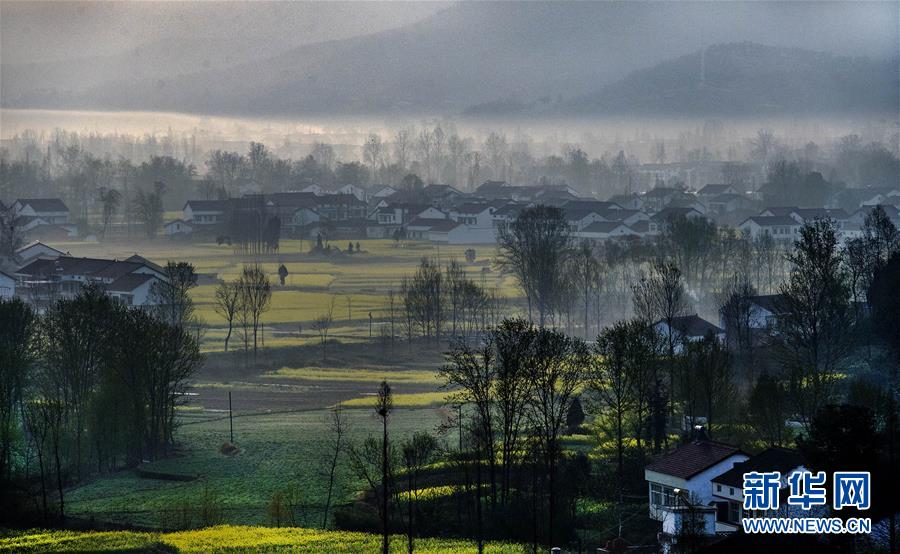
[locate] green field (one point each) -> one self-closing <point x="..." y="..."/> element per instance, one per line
<point x="233" y="539"/>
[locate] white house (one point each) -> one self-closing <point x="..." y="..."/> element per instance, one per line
<point x="44" y="281"/>
<point x="133" y="289"/>
<point x="603" y="230"/>
<point x="685" y="476"/>
<point x="37" y="250"/>
<point x="779" y="227"/>
<point x="382" y="191"/>
<point x="51" y="210"/>
<point x="7" y="286"/>
<point x="689" y="328"/>
<point x="473" y="214"/>
<point x="178" y="227"/>
<point x="205" y="212"/>
<point x="661" y="219"/>
<point x="579" y="218"/>
<point x="765" y="311"/>
<point x="453" y="232"/>
<point x="728" y="488"/>
<point x="315" y="189"/>
<point x="356" y="191"/>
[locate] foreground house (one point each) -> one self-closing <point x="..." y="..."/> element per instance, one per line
<point x="706" y="479"/>
<point x="682" y="480"/>
<point x="728" y="488"/>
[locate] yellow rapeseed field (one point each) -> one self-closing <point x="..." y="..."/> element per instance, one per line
<point x="234" y="539"/>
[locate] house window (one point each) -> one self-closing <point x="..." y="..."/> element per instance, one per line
<point x="731" y="490"/>
<point x="661" y="495"/>
<point x="734" y="512"/>
<point x="718" y="488"/>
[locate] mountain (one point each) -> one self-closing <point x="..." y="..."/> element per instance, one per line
<point x="750" y="79"/>
<point x="496" y="55"/>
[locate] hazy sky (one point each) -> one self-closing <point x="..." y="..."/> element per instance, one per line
<point x="46" y="31"/>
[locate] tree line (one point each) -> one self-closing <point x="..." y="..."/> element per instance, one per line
<point x="89" y="386"/>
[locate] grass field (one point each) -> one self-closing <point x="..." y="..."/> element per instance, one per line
<point x="280" y="397"/>
<point x="279" y="452"/>
<point x="358" y="283"/>
<point x="233" y="539"/>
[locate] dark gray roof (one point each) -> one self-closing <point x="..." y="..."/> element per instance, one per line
<point x="661" y="192"/>
<point x="714" y="189"/>
<point x="129" y="282"/>
<point x="44" y="204"/>
<point x="207" y="205"/>
<point x="771" y="459"/>
<point x="780" y="210"/>
<point x="471" y="208"/>
<point x="673" y="211"/>
<point x="603" y="227"/>
<point x="769" y="302"/>
<point x="293" y="199"/>
<point x="771" y="220"/>
<point x="695" y="326"/>
<point x="692" y="458"/>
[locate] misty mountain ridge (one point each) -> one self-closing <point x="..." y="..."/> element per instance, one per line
<point x="751" y="79"/>
<point x="494" y="58"/>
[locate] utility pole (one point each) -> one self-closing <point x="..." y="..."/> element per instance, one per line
<point x="230" y="418"/>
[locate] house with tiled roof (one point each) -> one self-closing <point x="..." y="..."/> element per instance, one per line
<point x="36" y="250"/>
<point x="779" y="227"/>
<point x="660" y="220"/>
<point x="689" y="328"/>
<point x="205" y="212"/>
<point x="44" y="280"/>
<point x="52" y="210"/>
<point x="728" y="487"/>
<point x="604" y="230"/>
<point x="684" y="477"/>
<point x="713" y="190"/>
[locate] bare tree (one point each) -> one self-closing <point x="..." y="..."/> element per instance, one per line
<point x="228" y="305"/>
<point x="402" y="148"/>
<point x="256" y="296"/>
<point x="585" y="275"/>
<point x="660" y="296"/>
<point x="337" y="429"/>
<point x="110" y="198"/>
<point x="322" y="324"/>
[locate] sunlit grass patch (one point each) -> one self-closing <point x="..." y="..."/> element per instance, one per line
<point x="408" y="400"/>
<point x="361" y="375"/>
